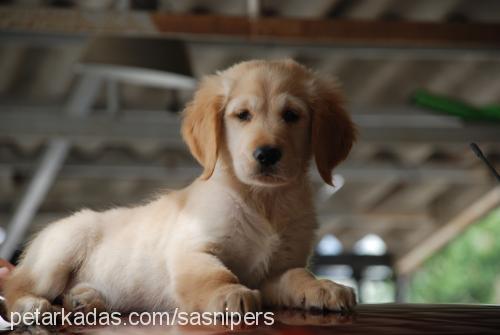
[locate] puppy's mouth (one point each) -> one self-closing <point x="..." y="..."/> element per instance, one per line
<point x="269" y="176"/>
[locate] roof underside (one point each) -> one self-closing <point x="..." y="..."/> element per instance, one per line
<point x="399" y="186"/>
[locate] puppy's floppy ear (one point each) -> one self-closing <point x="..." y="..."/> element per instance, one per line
<point x="202" y="124"/>
<point x="333" y="132"/>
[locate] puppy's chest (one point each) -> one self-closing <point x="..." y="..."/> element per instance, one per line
<point x="249" y="248"/>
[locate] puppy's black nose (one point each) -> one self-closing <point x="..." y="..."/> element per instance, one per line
<point x="267" y="155"/>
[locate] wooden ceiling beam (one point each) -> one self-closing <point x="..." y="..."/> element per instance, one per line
<point x="263" y="29"/>
<point x="448" y="231"/>
<point x="381" y="129"/>
<point x="361" y="32"/>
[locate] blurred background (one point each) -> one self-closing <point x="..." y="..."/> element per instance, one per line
<point x="90" y="95"/>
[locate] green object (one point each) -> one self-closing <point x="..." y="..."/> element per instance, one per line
<point x="443" y="104"/>
<point x="465" y="271"/>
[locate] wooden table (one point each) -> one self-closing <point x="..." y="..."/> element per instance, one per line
<point x="367" y="319"/>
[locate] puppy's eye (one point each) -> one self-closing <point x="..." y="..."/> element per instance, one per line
<point x="244" y="115"/>
<point x="290" y="116"/>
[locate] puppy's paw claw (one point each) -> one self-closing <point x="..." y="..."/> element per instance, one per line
<point x="327" y="295"/>
<point x="84" y="298"/>
<point x="235" y="298"/>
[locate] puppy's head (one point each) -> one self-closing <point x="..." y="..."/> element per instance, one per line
<point x="265" y="120"/>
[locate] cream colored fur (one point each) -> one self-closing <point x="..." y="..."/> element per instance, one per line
<point x="234" y="238"/>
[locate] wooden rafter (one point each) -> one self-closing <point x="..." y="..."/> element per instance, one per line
<point x="275" y="30"/>
<point x="335" y="31"/>
<point x="414" y="258"/>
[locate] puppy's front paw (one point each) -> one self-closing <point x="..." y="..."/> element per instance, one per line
<point x="84" y="298"/>
<point x="325" y="294"/>
<point x="31" y="304"/>
<point x="235" y="298"/>
<point x="27" y="314"/>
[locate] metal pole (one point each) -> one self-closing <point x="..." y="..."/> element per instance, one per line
<point x="38" y="187"/>
<point x="253" y="8"/>
<point x="112" y="97"/>
<point x="402" y="284"/>
<point x="52" y="160"/>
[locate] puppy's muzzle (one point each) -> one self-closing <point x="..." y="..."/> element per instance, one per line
<point x="267" y="156"/>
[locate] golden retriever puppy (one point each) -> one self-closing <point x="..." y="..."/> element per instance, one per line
<point x="236" y="239"/>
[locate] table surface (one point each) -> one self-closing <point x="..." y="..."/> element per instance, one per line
<point x="366" y="319"/>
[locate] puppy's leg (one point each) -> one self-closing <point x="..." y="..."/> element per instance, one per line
<point x="85" y="298"/>
<point x="48" y="263"/>
<point x="203" y="283"/>
<point x="298" y="288"/>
